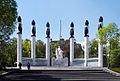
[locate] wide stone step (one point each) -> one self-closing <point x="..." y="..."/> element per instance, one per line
<point x="60" y="75"/>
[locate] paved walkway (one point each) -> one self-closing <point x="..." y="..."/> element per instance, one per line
<point x="57" y="68"/>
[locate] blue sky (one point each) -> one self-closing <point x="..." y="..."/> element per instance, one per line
<point x="77" y="11"/>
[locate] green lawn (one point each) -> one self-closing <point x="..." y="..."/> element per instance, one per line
<point x="116" y="69"/>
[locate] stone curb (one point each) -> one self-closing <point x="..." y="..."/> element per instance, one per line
<point x="111" y="72"/>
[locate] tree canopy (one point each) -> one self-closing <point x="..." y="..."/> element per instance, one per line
<point x="109" y="37"/>
<point x="8" y="14"/>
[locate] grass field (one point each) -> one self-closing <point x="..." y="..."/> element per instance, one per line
<point x="115" y="69"/>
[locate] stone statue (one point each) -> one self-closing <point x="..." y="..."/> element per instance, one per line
<point x="19" y="26"/>
<point x="33" y="29"/>
<point x="59" y="61"/>
<point x="72" y="30"/>
<point x="100" y="22"/>
<point x="86" y="28"/>
<point x="48" y="29"/>
<point x="59" y="53"/>
<point x="101" y="19"/>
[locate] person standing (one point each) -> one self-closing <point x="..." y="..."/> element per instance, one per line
<point x="20" y="65"/>
<point x="28" y="66"/>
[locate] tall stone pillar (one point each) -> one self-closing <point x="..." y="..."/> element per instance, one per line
<point x="48" y="44"/>
<point x="71" y="43"/>
<point x="33" y="40"/>
<point x="100" y="55"/>
<point x="19" y="42"/>
<point x="100" y="46"/>
<point x="86" y="43"/>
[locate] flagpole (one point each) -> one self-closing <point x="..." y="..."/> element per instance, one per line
<point x="60" y="35"/>
<point x="60" y="31"/>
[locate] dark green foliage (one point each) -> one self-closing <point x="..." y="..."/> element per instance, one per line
<point x="93" y="49"/>
<point x="40" y="49"/>
<point x="109" y="37"/>
<point x="8" y="53"/>
<point x="11" y="52"/>
<point x="8" y="15"/>
<point x="26" y="48"/>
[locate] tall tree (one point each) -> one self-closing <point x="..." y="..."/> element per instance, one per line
<point x="8" y="15"/>
<point x="40" y="49"/>
<point x="93" y="49"/>
<point x="26" y="48"/>
<point x="109" y="37"/>
<point x="11" y="55"/>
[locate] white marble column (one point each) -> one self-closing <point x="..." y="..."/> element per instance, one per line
<point x="33" y="49"/>
<point x="100" y="46"/>
<point x="33" y="41"/>
<point x="100" y="55"/>
<point x="48" y="50"/>
<point x="86" y="50"/>
<point x="48" y="44"/>
<point x="19" y="41"/>
<point x="86" y="43"/>
<point x="71" y="43"/>
<point x="71" y="50"/>
<point x="19" y="49"/>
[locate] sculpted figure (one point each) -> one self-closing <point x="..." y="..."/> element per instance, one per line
<point x="59" y="53"/>
<point x="34" y="28"/>
<point x="20" y="25"/>
<point x="86" y="28"/>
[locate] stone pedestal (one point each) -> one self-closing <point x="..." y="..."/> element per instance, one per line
<point x="48" y="50"/>
<point x="33" y="49"/>
<point x="100" y="55"/>
<point x="19" y="49"/>
<point x="59" y="62"/>
<point x="86" y="50"/>
<point x="71" y="50"/>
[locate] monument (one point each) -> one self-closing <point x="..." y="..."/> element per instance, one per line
<point x="59" y="60"/>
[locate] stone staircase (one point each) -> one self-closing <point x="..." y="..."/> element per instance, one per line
<point x="60" y="75"/>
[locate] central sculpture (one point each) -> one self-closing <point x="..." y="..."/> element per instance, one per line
<point x="59" y="61"/>
<point x="59" y="53"/>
